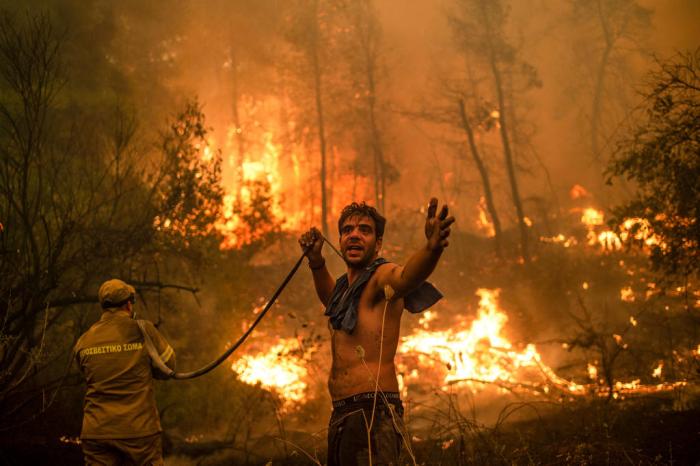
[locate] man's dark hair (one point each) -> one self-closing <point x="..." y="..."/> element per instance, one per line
<point x="363" y="210"/>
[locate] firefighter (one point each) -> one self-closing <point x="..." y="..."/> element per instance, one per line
<point x="120" y="418"/>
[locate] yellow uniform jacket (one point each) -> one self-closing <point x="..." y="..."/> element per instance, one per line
<point x="120" y="399"/>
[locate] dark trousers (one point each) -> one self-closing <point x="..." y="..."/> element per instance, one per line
<point x="348" y="442"/>
<point x="128" y="451"/>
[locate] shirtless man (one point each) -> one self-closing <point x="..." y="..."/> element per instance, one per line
<point x="365" y="307"/>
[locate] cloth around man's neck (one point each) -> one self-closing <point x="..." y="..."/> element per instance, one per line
<point x="342" y="307"/>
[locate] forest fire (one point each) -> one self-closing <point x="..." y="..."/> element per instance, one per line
<point x="258" y="191"/>
<point x="471" y="356"/>
<point x="269" y="190"/>
<point x="478" y="353"/>
<point x="631" y="229"/>
<point x="183" y="151"/>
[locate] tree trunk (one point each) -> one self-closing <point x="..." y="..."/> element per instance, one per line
<point x="505" y="139"/>
<point x="379" y="172"/>
<point x="485" y="181"/>
<point x="364" y="22"/>
<point x="510" y="166"/>
<point x="599" y="86"/>
<point x="240" y="139"/>
<point x="319" y="114"/>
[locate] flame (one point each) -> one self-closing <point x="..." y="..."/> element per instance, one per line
<point x="478" y="352"/>
<point x="279" y="369"/>
<point x="577" y="191"/>
<point x="592" y="217"/>
<point x="426" y="318"/>
<point x="640" y="229"/>
<point x="592" y="371"/>
<point x="627" y="295"/>
<point x="471" y="355"/>
<point x="70" y="440"/>
<point x="483" y="223"/>
<point x="286" y="175"/>
<point x="261" y="170"/>
<point x="618" y="340"/>
<point x="634" y="228"/>
<point x="560" y="239"/>
<point x="207" y="153"/>
<point x="609" y="240"/>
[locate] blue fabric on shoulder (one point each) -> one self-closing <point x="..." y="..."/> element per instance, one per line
<point x="342" y="307"/>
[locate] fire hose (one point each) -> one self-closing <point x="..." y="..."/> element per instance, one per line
<point x="171" y="374"/>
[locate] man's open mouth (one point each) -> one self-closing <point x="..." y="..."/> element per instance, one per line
<point x="354" y="247"/>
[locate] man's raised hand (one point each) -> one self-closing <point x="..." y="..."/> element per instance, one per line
<point x="311" y="243"/>
<point x="437" y="226"/>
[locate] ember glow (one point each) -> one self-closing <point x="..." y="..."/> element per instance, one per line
<point x="592" y="371"/>
<point x="560" y="239"/>
<point x="627" y="294"/>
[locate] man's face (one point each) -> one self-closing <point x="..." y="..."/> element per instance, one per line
<point x="358" y="241"/>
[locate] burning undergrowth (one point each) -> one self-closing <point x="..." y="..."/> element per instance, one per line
<point x="469" y="355"/>
<point x="466" y="347"/>
<point x="585" y="323"/>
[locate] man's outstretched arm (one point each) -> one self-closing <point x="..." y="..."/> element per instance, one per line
<point x="422" y="263"/>
<point x="311" y="243"/>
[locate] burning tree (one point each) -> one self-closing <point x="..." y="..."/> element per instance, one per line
<point x="310" y="28"/>
<point x="190" y="186"/>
